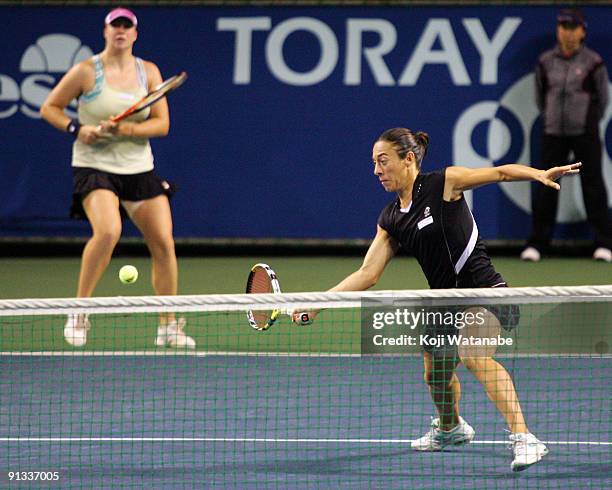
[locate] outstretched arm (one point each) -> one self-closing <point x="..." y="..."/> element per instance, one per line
<point x="381" y="251"/>
<point x="459" y="179"/>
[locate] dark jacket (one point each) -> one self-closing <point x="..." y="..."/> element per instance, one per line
<point x="572" y="93"/>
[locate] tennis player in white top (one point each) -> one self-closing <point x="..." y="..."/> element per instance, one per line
<point x="113" y="167"/>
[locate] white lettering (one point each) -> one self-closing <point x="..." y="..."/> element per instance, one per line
<point x="373" y="54"/>
<point x="244" y="27"/>
<point x="394" y="341"/>
<point x="389" y="318"/>
<point x="9" y="92"/>
<point x="377" y="322"/>
<point x="453" y="339"/>
<point x="425" y="54"/>
<point x="490" y="49"/>
<point x="327" y="42"/>
<point x="436" y="45"/>
<point x="34" y="93"/>
<point x="480" y="341"/>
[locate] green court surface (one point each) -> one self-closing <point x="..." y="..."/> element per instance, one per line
<point x="56" y="277"/>
<point x="545" y="328"/>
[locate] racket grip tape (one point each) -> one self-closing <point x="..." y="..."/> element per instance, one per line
<point x="302" y="318"/>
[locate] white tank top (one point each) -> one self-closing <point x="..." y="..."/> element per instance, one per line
<point x="115" y="154"/>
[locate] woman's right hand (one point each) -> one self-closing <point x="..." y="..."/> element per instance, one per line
<point x="89" y="134"/>
<point x="304" y="317"/>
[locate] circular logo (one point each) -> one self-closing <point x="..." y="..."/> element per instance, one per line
<point x="491" y="133"/>
<point x="50" y="56"/>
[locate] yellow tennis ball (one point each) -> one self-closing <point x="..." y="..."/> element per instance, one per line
<point x="128" y="274"/>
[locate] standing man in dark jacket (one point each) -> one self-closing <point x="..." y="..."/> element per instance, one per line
<point x="572" y="95"/>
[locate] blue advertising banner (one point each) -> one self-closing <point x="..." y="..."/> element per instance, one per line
<point x="272" y="134"/>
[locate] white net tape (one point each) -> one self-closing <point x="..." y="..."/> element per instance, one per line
<point x="303" y="301"/>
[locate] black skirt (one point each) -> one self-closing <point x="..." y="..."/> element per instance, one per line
<point x="134" y="187"/>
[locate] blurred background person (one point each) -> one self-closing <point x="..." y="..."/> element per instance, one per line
<point x="113" y="167"/>
<point x="572" y="95"/>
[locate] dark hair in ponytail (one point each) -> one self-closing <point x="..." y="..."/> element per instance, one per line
<point x="405" y="140"/>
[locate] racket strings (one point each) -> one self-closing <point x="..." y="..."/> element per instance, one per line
<point x="259" y="283"/>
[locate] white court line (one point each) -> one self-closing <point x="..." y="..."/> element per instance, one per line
<point x="172" y="352"/>
<point x="168" y="352"/>
<point x="261" y="439"/>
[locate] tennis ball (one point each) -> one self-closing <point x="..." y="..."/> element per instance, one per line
<point x="128" y="274"/>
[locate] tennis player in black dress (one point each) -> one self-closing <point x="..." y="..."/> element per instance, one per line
<point x="431" y="220"/>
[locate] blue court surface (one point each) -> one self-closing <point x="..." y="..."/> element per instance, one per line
<point x="274" y="421"/>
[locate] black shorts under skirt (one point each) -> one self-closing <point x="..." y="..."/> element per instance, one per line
<point x="134" y="187"/>
<point x="507" y="314"/>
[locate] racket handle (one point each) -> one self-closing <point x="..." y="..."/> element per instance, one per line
<point x="298" y="317"/>
<point x="302" y="318"/>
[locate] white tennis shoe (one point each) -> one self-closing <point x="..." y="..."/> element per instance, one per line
<point x="75" y="329"/>
<point x="436" y="439"/>
<point x="531" y="254"/>
<point x="603" y="254"/>
<point x="173" y="335"/>
<point x="527" y="450"/>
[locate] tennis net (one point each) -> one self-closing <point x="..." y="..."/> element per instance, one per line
<point x="336" y="403"/>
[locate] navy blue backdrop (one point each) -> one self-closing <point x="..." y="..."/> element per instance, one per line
<point x="272" y="134"/>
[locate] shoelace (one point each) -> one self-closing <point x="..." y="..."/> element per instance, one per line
<point x="520" y="443"/>
<point x="513" y="442"/>
<point x="432" y="430"/>
<point x="81" y="322"/>
<point x="433" y="427"/>
<point x="518" y="446"/>
<point x="432" y="433"/>
<point x="179" y="325"/>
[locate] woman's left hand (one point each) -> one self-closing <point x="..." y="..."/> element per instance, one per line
<point x="117" y="128"/>
<point x="548" y="177"/>
<point x="109" y="126"/>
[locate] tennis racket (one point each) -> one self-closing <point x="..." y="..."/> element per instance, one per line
<point x="263" y="279"/>
<point x="157" y="93"/>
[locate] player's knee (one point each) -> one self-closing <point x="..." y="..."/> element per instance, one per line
<point x="162" y="246"/>
<point x="474" y="363"/>
<point x="108" y="237"/>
